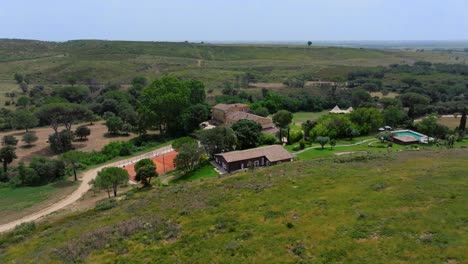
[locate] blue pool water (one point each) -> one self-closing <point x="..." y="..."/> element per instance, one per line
<point x="408" y="134"/>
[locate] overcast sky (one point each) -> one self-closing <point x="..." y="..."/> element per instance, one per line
<point x="234" y="20"/>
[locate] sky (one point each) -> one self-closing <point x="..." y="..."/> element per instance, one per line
<point x="234" y="20"/>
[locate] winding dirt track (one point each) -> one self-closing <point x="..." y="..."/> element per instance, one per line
<point x="84" y="187"/>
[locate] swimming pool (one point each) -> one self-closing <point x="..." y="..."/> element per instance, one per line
<point x="409" y="133"/>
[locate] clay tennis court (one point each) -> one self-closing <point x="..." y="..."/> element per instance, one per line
<point x="164" y="164"/>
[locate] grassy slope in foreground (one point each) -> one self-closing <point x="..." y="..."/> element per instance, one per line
<point x="411" y="208"/>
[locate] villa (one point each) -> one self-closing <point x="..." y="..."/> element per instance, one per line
<point x="229" y="114"/>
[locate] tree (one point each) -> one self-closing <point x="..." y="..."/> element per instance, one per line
<point x="450" y="141"/>
<point x="61" y="142"/>
<point x="19" y="78"/>
<point x="309" y="43"/>
<point x="114" y="125"/>
<point x="359" y="97"/>
<point x="322" y="141"/>
<point x="177" y="144"/>
<point x="410" y="99"/>
<point x="7" y="155"/>
<point x="73" y="94"/>
<point x="217" y="140"/>
<point x="163" y="102"/>
<point x="57" y="114"/>
<point x="195" y="115"/>
<point x="82" y="132"/>
<point x="367" y="119"/>
<point x="260" y="111"/>
<point x="139" y="81"/>
<point x="30" y="137"/>
<point x="352" y="132"/>
<point x="109" y="179"/>
<point x="307" y="126"/>
<point x="430" y="127"/>
<point x="197" y="92"/>
<point x="23" y="119"/>
<point x="189" y="155"/>
<point x="72" y="159"/>
<point x="145" y="170"/>
<point x="23" y="101"/>
<point x="9" y="140"/>
<point x="332" y="143"/>
<point x="282" y="119"/>
<point x="384" y="136"/>
<point x="248" y="133"/>
<point x="394" y="116"/>
<point x="462" y="125"/>
<point x="72" y="80"/>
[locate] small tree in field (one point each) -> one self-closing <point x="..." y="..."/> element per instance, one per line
<point x="188" y="157"/>
<point x="114" y="125"/>
<point x="7" y="155"/>
<point x="82" y="132"/>
<point x="322" y="141"/>
<point x="145" y="170"/>
<point x="109" y="179"/>
<point x="72" y="159"/>
<point x="29" y="138"/>
<point x="9" y="140"/>
<point x="332" y="143"/>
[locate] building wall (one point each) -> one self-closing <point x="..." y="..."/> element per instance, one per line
<point x="243" y="164"/>
<point x="218" y="115"/>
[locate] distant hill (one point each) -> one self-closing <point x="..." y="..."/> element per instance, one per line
<point x="97" y="61"/>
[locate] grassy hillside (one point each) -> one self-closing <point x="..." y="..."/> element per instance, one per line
<point x="409" y="208"/>
<point x="103" y="61"/>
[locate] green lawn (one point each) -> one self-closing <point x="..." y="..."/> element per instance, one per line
<point x="16" y="201"/>
<point x="301" y="117"/>
<point x="407" y="208"/>
<point x="204" y="172"/>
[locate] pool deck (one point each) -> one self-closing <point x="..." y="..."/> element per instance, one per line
<point x="407" y="139"/>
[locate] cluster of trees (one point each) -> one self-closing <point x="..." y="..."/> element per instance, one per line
<point x="172" y="106"/>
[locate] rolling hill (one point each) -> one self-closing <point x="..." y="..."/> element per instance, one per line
<point x="405" y="208"/>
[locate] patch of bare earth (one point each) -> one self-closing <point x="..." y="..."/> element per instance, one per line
<point x="41" y="147"/>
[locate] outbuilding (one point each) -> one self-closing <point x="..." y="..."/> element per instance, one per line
<point x="257" y="157"/>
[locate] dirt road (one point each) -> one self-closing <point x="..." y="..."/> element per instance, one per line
<point x="84" y="187"/>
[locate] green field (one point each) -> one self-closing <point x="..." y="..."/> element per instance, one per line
<point x="205" y="172"/>
<point x="15" y="202"/>
<point x="405" y="208"/>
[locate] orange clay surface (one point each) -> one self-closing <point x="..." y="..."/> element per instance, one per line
<point x="164" y="164"/>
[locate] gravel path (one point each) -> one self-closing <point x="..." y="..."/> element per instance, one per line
<point x="84" y="187"/>
<point x="347" y="145"/>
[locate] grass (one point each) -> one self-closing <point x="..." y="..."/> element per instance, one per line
<point x="409" y="208"/>
<point x="301" y="117"/>
<point x="15" y="202"/>
<point x="204" y="172"/>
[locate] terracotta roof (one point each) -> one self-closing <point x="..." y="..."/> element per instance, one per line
<point x="406" y="139"/>
<point x="226" y="107"/>
<point x="238" y="115"/>
<point x="273" y="153"/>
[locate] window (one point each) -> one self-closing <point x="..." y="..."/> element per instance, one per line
<point x="256" y="163"/>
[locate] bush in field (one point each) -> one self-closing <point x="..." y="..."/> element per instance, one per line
<point x="82" y="132"/>
<point x="9" y="140"/>
<point x="61" y="142"/>
<point x="322" y="141"/>
<point x="30" y="137"/>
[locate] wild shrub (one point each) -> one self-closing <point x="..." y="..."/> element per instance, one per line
<point x="105" y="205"/>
